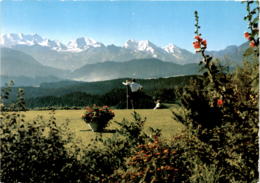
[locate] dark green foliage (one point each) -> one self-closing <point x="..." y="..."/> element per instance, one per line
<point x="221" y="110"/>
<point x="42" y="151"/>
<point x="20" y="105"/>
<point x="104" y="156"/>
<point x="229" y="131"/>
<point x="78" y="99"/>
<point x="5" y="94"/>
<point x="101" y="87"/>
<point x="71" y="95"/>
<point x="166" y="95"/>
<point x="34" y="151"/>
<point x="7" y="104"/>
<point x="116" y="97"/>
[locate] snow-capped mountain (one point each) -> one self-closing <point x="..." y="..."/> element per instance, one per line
<point x="10" y="40"/>
<point x="171" y="48"/>
<point x="143" y="45"/>
<point x="157" y="52"/>
<point x="86" y="50"/>
<point x="83" y="43"/>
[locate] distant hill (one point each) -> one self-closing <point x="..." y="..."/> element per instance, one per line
<point x="231" y="54"/>
<point x="28" y="81"/>
<point x="17" y="63"/>
<point x="140" y="68"/>
<point x="25" y="70"/>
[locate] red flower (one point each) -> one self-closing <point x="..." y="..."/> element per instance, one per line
<point x="204" y="43"/>
<point x="198" y="38"/>
<point x="196" y="45"/>
<point x="220" y="102"/>
<point x="247" y="35"/>
<point x="252" y="44"/>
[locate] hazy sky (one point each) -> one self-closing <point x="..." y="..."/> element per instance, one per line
<point x="161" y="22"/>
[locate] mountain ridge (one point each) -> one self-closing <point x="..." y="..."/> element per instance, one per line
<point x="85" y="50"/>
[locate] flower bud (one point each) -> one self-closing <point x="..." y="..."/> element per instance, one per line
<point x="247" y="35"/>
<point x="252" y="43"/>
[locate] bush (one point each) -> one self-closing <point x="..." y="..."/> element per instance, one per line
<point x="221" y="110"/>
<point x="35" y="151"/>
<point x="104" y="156"/>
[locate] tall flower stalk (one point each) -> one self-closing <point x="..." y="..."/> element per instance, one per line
<point x="252" y="18"/>
<point x="212" y="70"/>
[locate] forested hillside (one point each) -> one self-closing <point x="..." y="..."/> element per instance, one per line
<point x="112" y="92"/>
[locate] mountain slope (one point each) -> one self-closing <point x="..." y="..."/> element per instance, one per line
<point x="233" y="54"/>
<point x="17" y="64"/>
<point x="139" y="68"/>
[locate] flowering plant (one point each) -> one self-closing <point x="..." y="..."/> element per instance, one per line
<point x="252" y="18"/>
<point x="100" y="115"/>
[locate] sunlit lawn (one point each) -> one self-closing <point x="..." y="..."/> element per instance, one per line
<point x="161" y="119"/>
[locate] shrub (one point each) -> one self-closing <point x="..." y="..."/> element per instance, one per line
<point x="221" y="110"/>
<point x="105" y="156"/>
<point x="35" y="151"/>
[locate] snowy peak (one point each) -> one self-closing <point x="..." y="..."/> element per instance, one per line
<point x="170" y="48"/>
<point x="55" y="45"/>
<point x="83" y="43"/>
<point x="10" y="40"/>
<point x="19" y="39"/>
<point x="174" y="50"/>
<point x="143" y="45"/>
<point x="78" y="45"/>
<point x="132" y="48"/>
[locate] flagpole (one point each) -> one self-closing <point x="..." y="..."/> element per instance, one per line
<point x="126" y="97"/>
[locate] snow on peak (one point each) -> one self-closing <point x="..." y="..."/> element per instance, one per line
<point x="83" y="43"/>
<point x="12" y="39"/>
<point x="55" y="45"/>
<point x="80" y="44"/>
<point x="170" y="48"/>
<point x="143" y="45"/>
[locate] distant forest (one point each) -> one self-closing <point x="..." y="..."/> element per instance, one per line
<point x="75" y="95"/>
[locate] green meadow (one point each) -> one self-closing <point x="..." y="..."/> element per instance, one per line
<point x="157" y="119"/>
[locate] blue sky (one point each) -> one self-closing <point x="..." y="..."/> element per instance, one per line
<point x="114" y="22"/>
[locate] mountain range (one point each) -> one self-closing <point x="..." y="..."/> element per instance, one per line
<point x="83" y="50"/>
<point x="28" y="57"/>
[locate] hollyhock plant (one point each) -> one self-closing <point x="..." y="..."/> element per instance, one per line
<point x="252" y="17"/>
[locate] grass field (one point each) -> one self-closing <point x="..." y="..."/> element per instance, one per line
<point x="161" y="119"/>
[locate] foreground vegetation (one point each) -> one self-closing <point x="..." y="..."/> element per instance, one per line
<point x="158" y="119"/>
